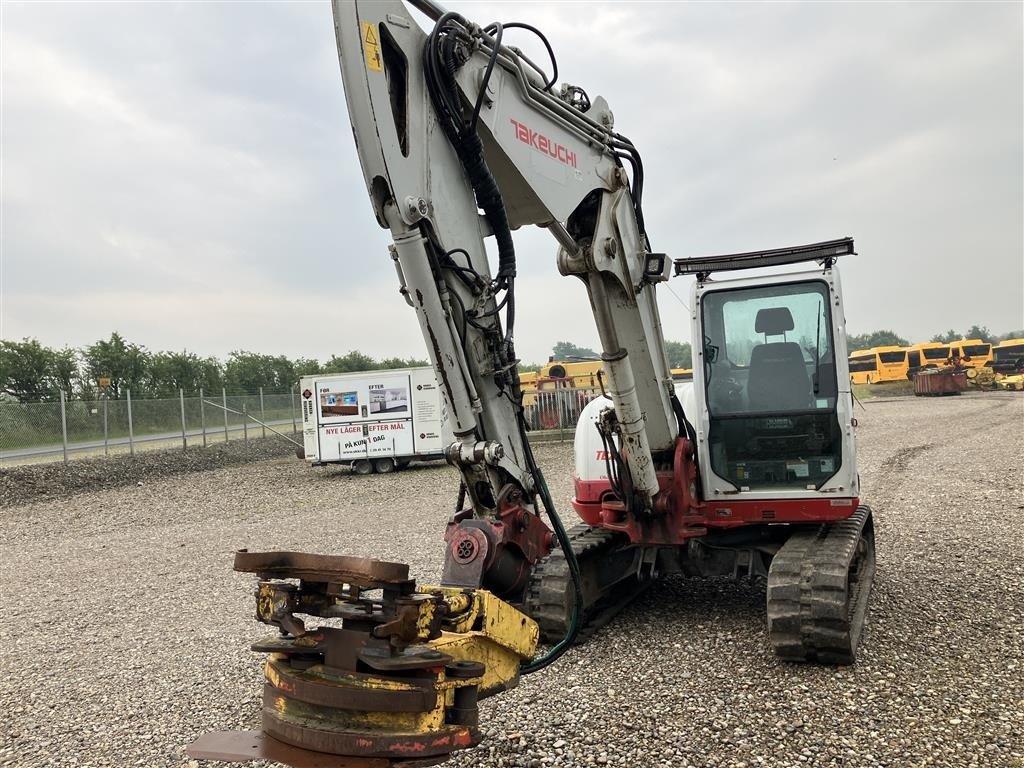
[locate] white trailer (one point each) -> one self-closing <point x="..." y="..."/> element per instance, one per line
<point x="376" y="421"/>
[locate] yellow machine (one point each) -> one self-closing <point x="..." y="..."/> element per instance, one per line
<point x="528" y="383"/>
<point x="1014" y="383"/>
<point x="580" y="374"/>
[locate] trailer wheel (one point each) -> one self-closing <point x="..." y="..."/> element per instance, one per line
<point x="362" y="466"/>
<point x="300" y="452"/>
<point x="383" y="466"/>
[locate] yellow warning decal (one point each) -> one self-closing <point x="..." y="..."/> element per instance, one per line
<point x="371" y="45"/>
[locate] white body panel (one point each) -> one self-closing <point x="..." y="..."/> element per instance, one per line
<point x="372" y="414"/>
<point x="588" y="449"/>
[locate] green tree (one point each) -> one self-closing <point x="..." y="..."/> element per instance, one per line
<point x="124" y="363"/>
<point x="248" y="372"/>
<point x="64" y="372"/>
<point x="566" y="350"/>
<point x="1019" y="334"/>
<point x="398" y="362"/>
<point x="171" y="371"/>
<point x="353" y="361"/>
<point x="30" y="372"/>
<point x="945" y="338"/>
<point x="979" y="332"/>
<point x="680" y="354"/>
<point x="884" y="338"/>
<point x="306" y="367"/>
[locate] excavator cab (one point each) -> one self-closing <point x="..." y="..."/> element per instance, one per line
<point x="771" y="386"/>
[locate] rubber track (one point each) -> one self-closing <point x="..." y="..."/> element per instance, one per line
<point x="550" y="594"/>
<point x="811" y="616"/>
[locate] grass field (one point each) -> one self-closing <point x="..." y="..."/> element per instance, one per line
<point x="884" y="389"/>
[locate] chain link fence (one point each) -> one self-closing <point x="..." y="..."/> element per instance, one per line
<point x="55" y="431"/>
<point x="62" y="430"/>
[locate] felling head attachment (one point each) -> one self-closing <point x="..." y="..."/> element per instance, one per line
<point x="396" y="684"/>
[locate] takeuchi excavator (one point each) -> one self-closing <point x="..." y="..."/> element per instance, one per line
<point x="747" y="471"/>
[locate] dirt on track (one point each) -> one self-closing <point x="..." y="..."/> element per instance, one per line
<point x="126" y="634"/>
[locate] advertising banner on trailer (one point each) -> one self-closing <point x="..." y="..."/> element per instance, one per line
<point x="374" y="420"/>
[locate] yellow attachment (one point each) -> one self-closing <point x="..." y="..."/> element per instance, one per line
<point x="481" y="627"/>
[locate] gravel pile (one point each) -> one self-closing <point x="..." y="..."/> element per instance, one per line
<point x="126" y="634"/>
<point x="40" y="482"/>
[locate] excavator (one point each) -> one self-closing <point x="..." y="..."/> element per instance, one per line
<point x="748" y="471"/>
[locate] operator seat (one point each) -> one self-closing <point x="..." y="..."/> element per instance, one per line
<point x="778" y="377"/>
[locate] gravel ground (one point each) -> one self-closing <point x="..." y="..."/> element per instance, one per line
<point x="126" y="633"/>
<point x="40" y="482"/>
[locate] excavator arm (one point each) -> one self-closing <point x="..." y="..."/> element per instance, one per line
<point x="452" y="122"/>
<point x="463" y="139"/>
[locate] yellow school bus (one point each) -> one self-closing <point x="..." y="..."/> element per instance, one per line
<point x="928" y="354"/>
<point x="1008" y="356"/>
<point x="892" y="364"/>
<point x="973" y="353"/>
<point x="863" y="366"/>
<point x="878" y="364"/>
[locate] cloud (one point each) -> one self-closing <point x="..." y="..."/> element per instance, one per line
<point x="186" y="173"/>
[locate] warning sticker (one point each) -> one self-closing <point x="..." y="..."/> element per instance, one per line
<point x="371" y="45"/>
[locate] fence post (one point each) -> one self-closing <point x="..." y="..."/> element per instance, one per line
<point x="224" y="398"/>
<point x="64" y="425"/>
<point x="106" y="445"/>
<point x="561" y="417"/>
<point x="292" y="392"/>
<point x="181" y="399"/>
<point x="131" y="427"/>
<point x="202" y="414"/>
<point x="263" y="413"/>
<point x="245" y="422"/>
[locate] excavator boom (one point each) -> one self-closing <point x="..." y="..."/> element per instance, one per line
<point x="463" y="139"/>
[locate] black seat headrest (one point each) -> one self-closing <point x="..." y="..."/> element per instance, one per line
<point x="773" y="320"/>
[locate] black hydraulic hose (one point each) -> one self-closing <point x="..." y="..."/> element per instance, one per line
<point x="441" y="60"/>
<point x="486" y="79"/>
<point x="440" y="65"/>
<point x="543" y="39"/>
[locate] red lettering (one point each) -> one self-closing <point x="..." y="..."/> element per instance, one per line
<point x="542" y="143"/>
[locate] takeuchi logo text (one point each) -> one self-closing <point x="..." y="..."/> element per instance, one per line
<point x="542" y="143"/>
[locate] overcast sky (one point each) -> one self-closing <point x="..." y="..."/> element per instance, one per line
<point x="185" y="172"/>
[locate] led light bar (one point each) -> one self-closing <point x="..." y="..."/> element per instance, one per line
<point x="823" y="253"/>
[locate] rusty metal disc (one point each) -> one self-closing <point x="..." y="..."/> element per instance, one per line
<point x="243" y="746"/>
<point x="361" y="571"/>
